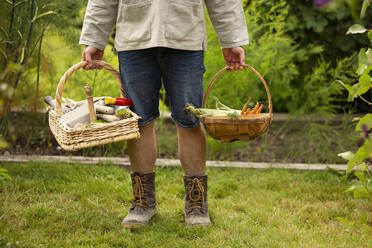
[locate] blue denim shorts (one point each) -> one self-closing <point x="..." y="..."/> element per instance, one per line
<point x="144" y="71"/>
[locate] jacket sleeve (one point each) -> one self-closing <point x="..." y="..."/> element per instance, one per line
<point x="228" y="20"/>
<point x="99" y="19"/>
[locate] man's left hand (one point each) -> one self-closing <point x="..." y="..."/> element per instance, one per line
<point x="234" y="57"/>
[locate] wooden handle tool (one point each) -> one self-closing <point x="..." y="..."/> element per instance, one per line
<point x="92" y="112"/>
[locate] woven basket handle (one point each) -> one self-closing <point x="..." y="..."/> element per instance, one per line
<point x="250" y="68"/>
<point x="76" y="67"/>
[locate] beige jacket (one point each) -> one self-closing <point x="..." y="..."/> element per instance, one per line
<point x="178" y="24"/>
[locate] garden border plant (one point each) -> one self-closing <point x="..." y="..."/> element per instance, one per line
<point x="361" y="160"/>
<point x="4" y="175"/>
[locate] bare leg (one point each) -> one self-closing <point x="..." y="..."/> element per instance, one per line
<point x="192" y="150"/>
<point x="143" y="151"/>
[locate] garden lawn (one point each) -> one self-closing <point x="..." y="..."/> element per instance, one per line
<point x="74" y="205"/>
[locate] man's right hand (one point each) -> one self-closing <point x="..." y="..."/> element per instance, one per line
<point x="89" y="54"/>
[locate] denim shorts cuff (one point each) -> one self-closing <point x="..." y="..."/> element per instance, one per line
<point x="191" y="126"/>
<point x="144" y="123"/>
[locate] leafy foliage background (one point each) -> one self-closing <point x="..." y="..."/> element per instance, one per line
<point x="299" y="49"/>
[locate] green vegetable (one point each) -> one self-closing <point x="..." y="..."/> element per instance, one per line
<point x="221" y="106"/>
<point x="234" y="115"/>
<point x="203" y="112"/>
<point x="100" y="121"/>
<point x="123" y="113"/>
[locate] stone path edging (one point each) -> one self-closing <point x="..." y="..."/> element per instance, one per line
<point x="167" y="162"/>
<point x="280" y="117"/>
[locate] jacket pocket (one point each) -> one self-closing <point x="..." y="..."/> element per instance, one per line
<point x="134" y="21"/>
<point x="185" y="20"/>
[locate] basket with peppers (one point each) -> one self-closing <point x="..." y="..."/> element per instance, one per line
<point x="119" y="123"/>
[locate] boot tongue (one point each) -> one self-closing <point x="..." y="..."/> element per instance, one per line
<point x="196" y="211"/>
<point x="137" y="209"/>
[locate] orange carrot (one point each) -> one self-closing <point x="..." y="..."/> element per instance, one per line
<point x="255" y="108"/>
<point x="243" y="110"/>
<point x="259" y="109"/>
<point x="247" y="112"/>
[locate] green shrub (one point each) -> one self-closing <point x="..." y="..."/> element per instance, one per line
<point x="325" y="26"/>
<point x="361" y="160"/>
<point x="282" y="62"/>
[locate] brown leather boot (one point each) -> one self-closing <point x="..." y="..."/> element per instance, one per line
<point x="143" y="207"/>
<point x="196" y="203"/>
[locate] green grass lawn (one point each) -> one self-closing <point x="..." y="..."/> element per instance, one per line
<point x="72" y="205"/>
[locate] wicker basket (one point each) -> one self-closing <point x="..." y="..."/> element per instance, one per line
<point x="247" y="127"/>
<point x="72" y="139"/>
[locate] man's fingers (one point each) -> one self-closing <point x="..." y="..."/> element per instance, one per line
<point x="83" y="56"/>
<point x="90" y="54"/>
<point x="88" y="58"/>
<point x="242" y="58"/>
<point x="233" y="66"/>
<point x="234" y="57"/>
<point x="96" y="66"/>
<point x="228" y="63"/>
<point x="236" y="66"/>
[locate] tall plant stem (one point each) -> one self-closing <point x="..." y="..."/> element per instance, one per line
<point x="11" y="23"/>
<point x="31" y="25"/>
<point x="44" y="28"/>
<point x="18" y="76"/>
<point x="38" y="66"/>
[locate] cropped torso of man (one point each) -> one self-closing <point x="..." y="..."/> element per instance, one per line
<point x="178" y="24"/>
<point x="162" y="42"/>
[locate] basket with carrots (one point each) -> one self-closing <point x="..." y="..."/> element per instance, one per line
<point x="227" y="124"/>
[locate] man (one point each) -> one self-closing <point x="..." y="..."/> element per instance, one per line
<point x="163" y="42"/>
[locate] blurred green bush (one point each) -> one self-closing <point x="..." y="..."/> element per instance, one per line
<point x="300" y="71"/>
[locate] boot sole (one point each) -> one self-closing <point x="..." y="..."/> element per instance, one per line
<point x="198" y="225"/>
<point x="189" y="224"/>
<point x="137" y="224"/>
<point x="134" y="225"/>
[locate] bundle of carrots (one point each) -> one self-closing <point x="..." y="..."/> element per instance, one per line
<point x="256" y="109"/>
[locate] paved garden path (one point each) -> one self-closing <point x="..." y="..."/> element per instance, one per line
<point x="167" y="162"/>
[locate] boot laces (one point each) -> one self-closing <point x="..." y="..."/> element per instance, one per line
<point x="196" y="194"/>
<point x="139" y="191"/>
